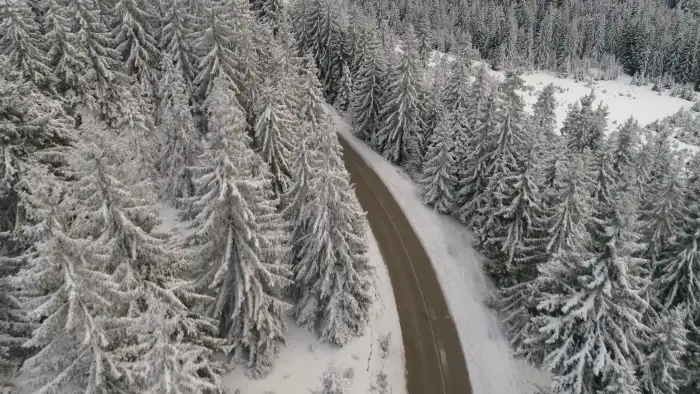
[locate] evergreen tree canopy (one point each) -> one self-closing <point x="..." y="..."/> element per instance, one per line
<point x="594" y="323"/>
<point x="439" y="181"/>
<point x="238" y="237"/>
<point x="20" y="41"/>
<point x="398" y="138"/>
<point x="332" y="268"/>
<point x="133" y="30"/>
<point x="368" y="91"/>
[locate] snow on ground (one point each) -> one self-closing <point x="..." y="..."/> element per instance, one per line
<point x="622" y="98"/>
<point x="301" y="364"/>
<point x="492" y="368"/>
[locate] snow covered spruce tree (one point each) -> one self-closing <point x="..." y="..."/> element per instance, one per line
<point x="270" y="12"/>
<point x="584" y="126"/>
<point x="34" y="135"/>
<point x="86" y="62"/>
<point x="105" y="275"/>
<point x="501" y="152"/>
<point x="661" y="212"/>
<point x="368" y="90"/>
<point x="157" y="338"/>
<point x="472" y="184"/>
<point x="560" y="232"/>
<point x="274" y="133"/>
<point x="439" y="181"/>
<point x="332" y="271"/>
<point x="566" y="223"/>
<point x="467" y="119"/>
<point x="458" y="102"/>
<point x="181" y="142"/>
<point x="433" y="109"/>
<point x="544" y="112"/>
<point x="654" y="160"/>
<point x="238" y="238"/>
<point x="20" y="41"/>
<point x="133" y="30"/>
<point x="136" y="129"/>
<point x="298" y="196"/>
<point x="398" y="138"/>
<point x="692" y="184"/>
<point x="679" y="281"/>
<point x="72" y="297"/>
<point x="594" y="322"/>
<point x="479" y="93"/>
<point x="34" y="131"/>
<point x="457" y="95"/>
<point x="215" y="40"/>
<point x="605" y="181"/>
<point x="663" y="370"/>
<point x="67" y="61"/>
<point x="625" y="145"/>
<point x="175" y="41"/>
<point x="309" y="99"/>
<point x="513" y="245"/>
<point x="345" y="86"/>
<point x="319" y="20"/>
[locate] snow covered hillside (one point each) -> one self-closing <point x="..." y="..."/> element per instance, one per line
<point x="492" y="369"/>
<point x="622" y="98"/>
<point x="361" y="363"/>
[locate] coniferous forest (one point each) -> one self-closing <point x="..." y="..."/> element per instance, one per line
<point x="116" y="113"/>
<point x="113" y="111"/>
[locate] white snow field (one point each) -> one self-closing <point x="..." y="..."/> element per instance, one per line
<point x="492" y="368"/>
<point x="622" y="98"/>
<point x="301" y="364"/>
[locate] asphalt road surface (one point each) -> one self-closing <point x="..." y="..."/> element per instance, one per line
<point x="434" y="359"/>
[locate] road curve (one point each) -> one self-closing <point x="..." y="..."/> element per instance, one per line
<point x="434" y="358"/>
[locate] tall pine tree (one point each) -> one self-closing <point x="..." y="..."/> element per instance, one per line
<point x="238" y="237"/>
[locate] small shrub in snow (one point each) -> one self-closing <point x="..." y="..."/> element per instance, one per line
<point x="385" y="344"/>
<point x="333" y="382"/>
<point x="685" y="91"/>
<point x="349" y="373"/>
<point x="381" y="385"/>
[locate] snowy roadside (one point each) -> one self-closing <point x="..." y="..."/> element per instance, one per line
<point x="301" y="364"/>
<point x="492" y="368"/>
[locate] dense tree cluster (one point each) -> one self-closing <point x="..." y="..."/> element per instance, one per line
<point x="112" y="114"/>
<point x="590" y="233"/>
<point x="111" y="110"/>
<point x="656" y="41"/>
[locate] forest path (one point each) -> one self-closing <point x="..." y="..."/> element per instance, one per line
<point x="435" y="361"/>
